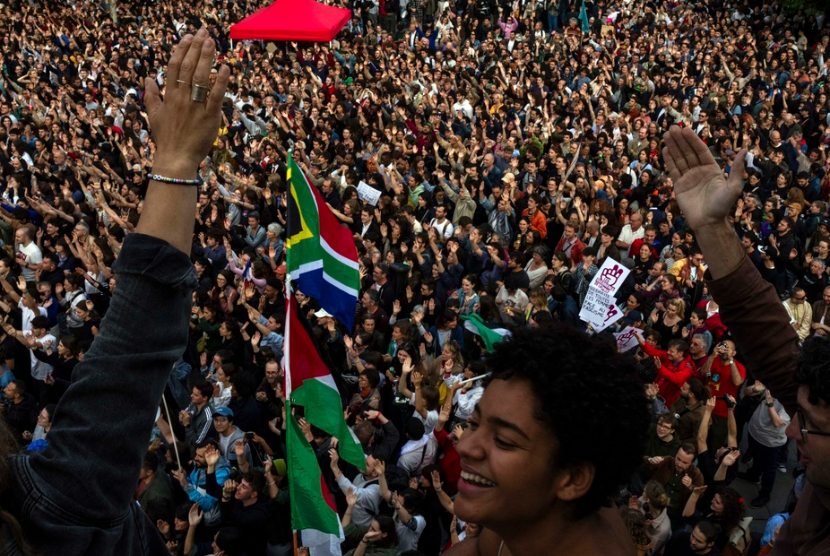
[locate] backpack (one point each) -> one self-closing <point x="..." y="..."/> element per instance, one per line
<point x="396" y="476"/>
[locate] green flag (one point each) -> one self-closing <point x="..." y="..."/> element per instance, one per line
<point x="312" y="506"/>
<point x="489" y="336"/>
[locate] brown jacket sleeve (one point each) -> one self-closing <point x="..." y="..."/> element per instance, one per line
<point x="751" y="310"/>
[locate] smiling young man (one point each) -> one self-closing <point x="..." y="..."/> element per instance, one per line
<point x="548" y="445"/>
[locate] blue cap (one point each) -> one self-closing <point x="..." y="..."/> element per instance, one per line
<point x="223" y="411"/>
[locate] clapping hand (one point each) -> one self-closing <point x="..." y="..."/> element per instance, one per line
<point x="228" y="488"/>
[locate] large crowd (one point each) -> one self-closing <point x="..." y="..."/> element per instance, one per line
<point x="488" y="158"/>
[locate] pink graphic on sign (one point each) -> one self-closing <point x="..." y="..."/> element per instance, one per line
<point x="608" y="277"/>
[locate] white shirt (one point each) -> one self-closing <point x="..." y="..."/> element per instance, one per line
<point x="444" y="230"/>
<point x="466" y="402"/>
<point x="41" y="370"/>
<point x="30" y="254"/>
<point x="28" y="315"/>
<point x="628" y="236"/>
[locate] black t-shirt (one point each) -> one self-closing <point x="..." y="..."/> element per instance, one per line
<point x="8" y="345"/>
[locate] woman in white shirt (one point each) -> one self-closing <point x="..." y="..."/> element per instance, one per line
<point x="222" y="388"/>
<point x="466" y="396"/>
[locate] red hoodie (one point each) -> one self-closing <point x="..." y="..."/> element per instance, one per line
<point x="670" y="376"/>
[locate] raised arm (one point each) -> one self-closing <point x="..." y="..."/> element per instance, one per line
<point x="104" y="416"/>
<point x="748" y="304"/>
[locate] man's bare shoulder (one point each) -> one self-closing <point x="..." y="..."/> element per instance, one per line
<point x="486" y="544"/>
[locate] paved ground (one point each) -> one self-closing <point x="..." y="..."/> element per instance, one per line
<point x="780" y="492"/>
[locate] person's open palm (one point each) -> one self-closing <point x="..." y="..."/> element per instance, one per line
<point x="704" y="195"/>
<point x="182" y="129"/>
<point x="211" y="456"/>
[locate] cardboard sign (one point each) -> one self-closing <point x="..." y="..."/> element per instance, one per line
<point x="627" y="339"/>
<point x="367" y="193"/>
<point x="600" y="309"/>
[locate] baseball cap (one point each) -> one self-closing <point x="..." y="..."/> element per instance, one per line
<point x="223" y="411"/>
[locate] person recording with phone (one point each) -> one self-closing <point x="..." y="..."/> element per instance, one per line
<point x="724" y="375"/>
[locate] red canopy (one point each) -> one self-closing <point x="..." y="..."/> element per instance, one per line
<point x="293" y="20"/>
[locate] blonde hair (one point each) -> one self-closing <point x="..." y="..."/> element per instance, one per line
<point x="538" y="298"/>
<point x="681" y="306"/>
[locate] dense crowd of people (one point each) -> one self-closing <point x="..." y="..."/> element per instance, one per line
<point x="488" y="158"/>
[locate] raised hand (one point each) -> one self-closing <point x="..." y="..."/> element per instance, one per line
<point x="710" y="404"/>
<point x="211" y="456"/>
<point x="194" y="517"/>
<point x="730" y="458"/>
<point x="704" y="195"/>
<point x="437" y="483"/>
<point x="351" y="497"/>
<point x="183" y="129"/>
<point x="239" y="449"/>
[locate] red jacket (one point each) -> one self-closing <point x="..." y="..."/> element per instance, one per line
<point x="576" y="250"/>
<point x="713" y="323"/>
<point x="670" y="376"/>
<point x="451" y="462"/>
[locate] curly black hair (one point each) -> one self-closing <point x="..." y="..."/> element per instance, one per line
<point x="813" y="370"/>
<point x="589" y="395"/>
<point x="733" y="508"/>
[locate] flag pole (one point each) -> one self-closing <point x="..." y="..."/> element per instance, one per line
<point x="172" y="433"/>
<point x="296" y="548"/>
<point x="485" y="375"/>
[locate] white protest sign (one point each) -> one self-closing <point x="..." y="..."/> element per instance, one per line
<point x="627" y="339"/>
<point x="368" y="193"/>
<point x="600" y="309"/>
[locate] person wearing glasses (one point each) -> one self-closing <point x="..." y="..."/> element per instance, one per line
<point x="800" y="312"/>
<point x="797" y="378"/>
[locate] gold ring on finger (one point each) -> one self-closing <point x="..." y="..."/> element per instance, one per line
<point x="199" y="93"/>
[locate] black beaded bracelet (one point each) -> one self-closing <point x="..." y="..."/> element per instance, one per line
<point x="176" y="181"/>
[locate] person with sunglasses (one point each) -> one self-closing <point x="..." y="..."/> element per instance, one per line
<point x="799" y="378"/>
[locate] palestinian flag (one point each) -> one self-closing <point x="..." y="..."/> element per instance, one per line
<point x="320" y="253"/>
<point x="489" y="336"/>
<point x="310" y="384"/>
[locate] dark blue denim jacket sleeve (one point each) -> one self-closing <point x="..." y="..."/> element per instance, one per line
<point x="87" y="475"/>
